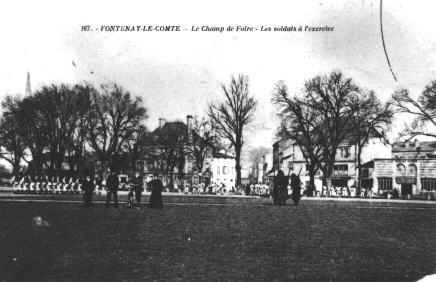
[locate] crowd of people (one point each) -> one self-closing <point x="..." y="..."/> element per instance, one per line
<point x="203" y="189"/>
<point x="261" y="190"/>
<point x="44" y="184"/>
<point x="344" y="191"/>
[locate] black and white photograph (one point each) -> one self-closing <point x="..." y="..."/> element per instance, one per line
<point x="218" y="140"/>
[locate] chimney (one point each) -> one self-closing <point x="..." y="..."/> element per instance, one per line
<point x="161" y="122"/>
<point x="189" y="119"/>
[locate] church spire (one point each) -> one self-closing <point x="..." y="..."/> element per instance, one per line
<point x="28" y="88"/>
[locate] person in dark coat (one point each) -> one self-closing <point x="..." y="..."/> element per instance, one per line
<point x="156" y="194"/>
<point x="280" y="188"/>
<point x="296" y="188"/>
<point x="112" y="184"/>
<point x="88" y="187"/>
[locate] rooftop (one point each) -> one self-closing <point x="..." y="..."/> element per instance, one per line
<point x="222" y="156"/>
<point x="412" y="146"/>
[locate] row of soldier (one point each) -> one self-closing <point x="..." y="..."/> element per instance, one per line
<point x="259" y="190"/>
<point x="55" y="185"/>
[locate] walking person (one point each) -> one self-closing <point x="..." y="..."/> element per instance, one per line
<point x="296" y="188"/>
<point x="88" y="189"/>
<point x="112" y="184"/>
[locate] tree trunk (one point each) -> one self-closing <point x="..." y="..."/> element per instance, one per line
<point x="16" y="167"/>
<point x="238" y="166"/>
<point x="311" y="181"/>
<point x="328" y="182"/>
<point x="359" y="172"/>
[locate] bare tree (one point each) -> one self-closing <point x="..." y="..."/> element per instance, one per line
<point x="61" y="111"/>
<point x="329" y="97"/>
<point x="256" y="154"/>
<point x="422" y="110"/>
<point x="371" y="118"/>
<point x="35" y="134"/>
<point x="134" y="147"/>
<point x="12" y="136"/>
<point x="229" y="117"/>
<point x="205" y="142"/>
<point x="114" y="118"/>
<point x="79" y="126"/>
<point x="300" y="123"/>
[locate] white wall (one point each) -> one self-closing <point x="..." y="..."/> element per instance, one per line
<point x="229" y="177"/>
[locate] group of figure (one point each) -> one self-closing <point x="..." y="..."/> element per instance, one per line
<point x="44" y="184"/>
<point x="135" y="190"/>
<point x="215" y="188"/>
<point x="337" y="191"/>
<point x="259" y="190"/>
<point x="203" y="189"/>
<point x="89" y="185"/>
<point x="196" y="189"/>
<point x="280" y="188"/>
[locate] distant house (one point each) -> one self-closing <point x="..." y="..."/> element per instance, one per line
<point x="288" y="157"/>
<point x="411" y="169"/>
<point x="223" y="170"/>
<point x="168" y="154"/>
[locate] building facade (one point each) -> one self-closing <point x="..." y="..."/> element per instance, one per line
<point x="288" y="157"/>
<point x="223" y="170"/>
<point x="411" y="170"/>
<point x="169" y="155"/>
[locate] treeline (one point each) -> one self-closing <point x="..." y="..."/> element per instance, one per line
<point x="63" y="123"/>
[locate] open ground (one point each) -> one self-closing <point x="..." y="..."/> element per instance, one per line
<point x="213" y="238"/>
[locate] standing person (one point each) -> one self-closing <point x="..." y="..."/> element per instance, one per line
<point x="296" y="188"/>
<point x="138" y="188"/>
<point x="88" y="188"/>
<point x="135" y="187"/>
<point x="280" y="188"/>
<point x="112" y="184"/>
<point x="156" y="194"/>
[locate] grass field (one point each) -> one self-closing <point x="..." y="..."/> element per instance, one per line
<point x="318" y="241"/>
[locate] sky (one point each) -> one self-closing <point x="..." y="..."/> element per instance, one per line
<point x="179" y="73"/>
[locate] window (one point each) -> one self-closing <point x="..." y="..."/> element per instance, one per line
<point x="384" y="183"/>
<point x="150" y="165"/>
<point x="428" y="184"/>
<point x="345" y="152"/>
<point x="218" y="170"/>
<point x="340" y="169"/>
<point x="411" y="170"/>
<point x="401" y="170"/>
<point x="225" y="170"/>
